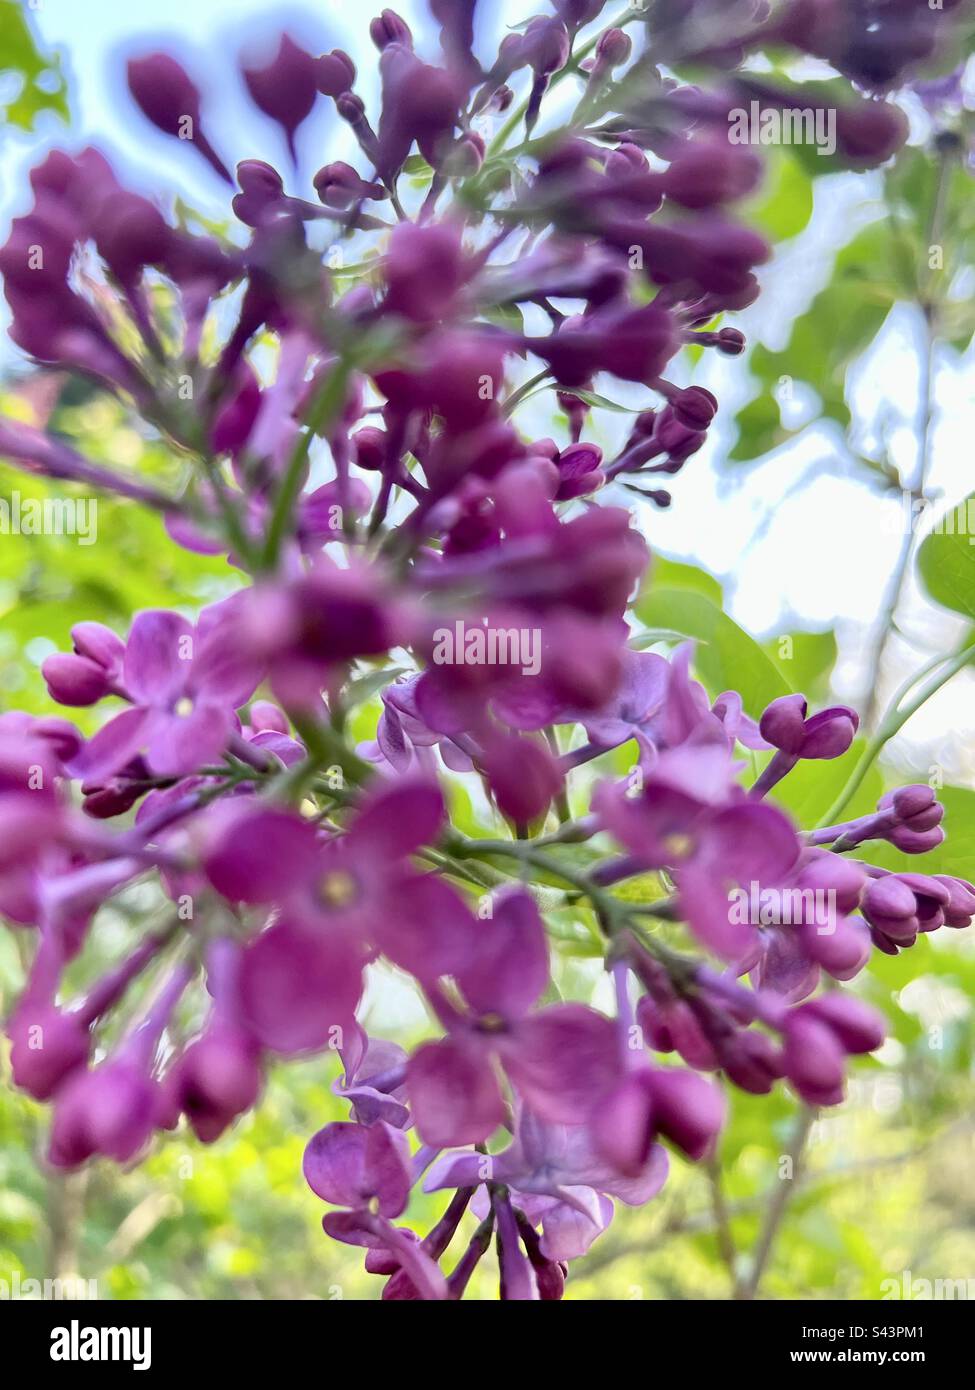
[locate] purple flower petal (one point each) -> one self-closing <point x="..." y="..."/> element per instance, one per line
<point x="454" y="1093"/>
<point x="508" y="970"/>
<point x="562" y="1060"/>
<point x="158" y="657"/>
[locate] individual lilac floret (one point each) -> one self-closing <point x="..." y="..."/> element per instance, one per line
<point x="185" y="683"/>
<point x="286" y="88"/>
<point x="560" y="1059"/>
<point x="910" y="818"/>
<point x="367" y="1170"/>
<point x="900" y="906"/>
<point x="169" y="99"/>
<point x="114" y="1109"/>
<point x="827" y="734"/>
<point x="374" y="1080"/>
<point x="687" y="820"/>
<point x="219" y="1075"/>
<point x="817" y="1038"/>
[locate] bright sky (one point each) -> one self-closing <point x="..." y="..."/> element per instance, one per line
<point x="813" y="556"/>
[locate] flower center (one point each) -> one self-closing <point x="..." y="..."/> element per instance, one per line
<point x="183" y="707"/>
<point x="491" y="1023"/>
<point x="678" y="846"/>
<point x="337" y="889"/>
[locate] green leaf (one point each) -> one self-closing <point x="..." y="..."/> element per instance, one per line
<point x="804" y="658"/>
<point x="813" y="786"/>
<point x="43" y="87"/>
<point x="728" y="658"/>
<point x="676" y="574"/>
<point x="363" y="688"/>
<point x="946" y="559"/>
<point x="784" y="205"/>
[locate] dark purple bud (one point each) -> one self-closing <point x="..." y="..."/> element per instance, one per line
<point x="814" y="1057"/>
<point x="694" y="407"/>
<point x="960" y="907"/>
<point x="827" y="734"/>
<point x="74" y="680"/>
<point x="857" y="1026"/>
<point x="752" y="1061"/>
<point x="285" y="89"/>
<point x="339" y="186"/>
<point x="613" y="49"/>
<point x="579" y="471"/>
<point x="424" y="269"/>
<point x="47" y="1045"/>
<point x="524" y="777"/>
<point x="168" y="98"/>
<point x="130" y="234"/>
<point x="687" y="1109"/>
<point x="675" y="438"/>
<point x="334" y="73"/>
<point x="467" y="155"/>
<point x="164" y="92"/>
<point x="731" y="341"/>
<point x="370" y="447"/>
<point x="112" y="1111"/>
<point x="545" y="46"/>
<point x="870" y="132"/>
<point x="702" y="175"/>
<point x="236" y="419"/>
<point x="911" y="801"/>
<point x="389" y="28"/>
<point x="576" y="13"/>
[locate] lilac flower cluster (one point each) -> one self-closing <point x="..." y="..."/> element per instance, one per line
<point x="294" y="861"/>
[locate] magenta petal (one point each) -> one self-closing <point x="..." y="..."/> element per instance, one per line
<point x="115" y="744"/>
<point x="414" y="1261"/>
<point x="562" y="1060"/>
<point x="689" y="1110"/>
<point x="181" y="743"/>
<point x="263" y="856"/>
<point x="460" y="1170"/>
<point x="351" y="1165"/>
<point x="401" y="819"/>
<point x="222" y="674"/>
<point x="752" y="842"/>
<point x="358" y="1228"/>
<point x="158" y="656"/>
<point x="454" y="1093"/>
<point x="567" y="1232"/>
<point x="299" y="987"/>
<point x="425" y="927"/>
<point x="705" y="902"/>
<point x="509" y="969"/>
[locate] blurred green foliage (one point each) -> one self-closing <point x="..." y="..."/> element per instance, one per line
<point x="36" y="79"/>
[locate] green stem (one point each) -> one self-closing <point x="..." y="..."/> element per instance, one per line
<point x="324" y="409"/>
